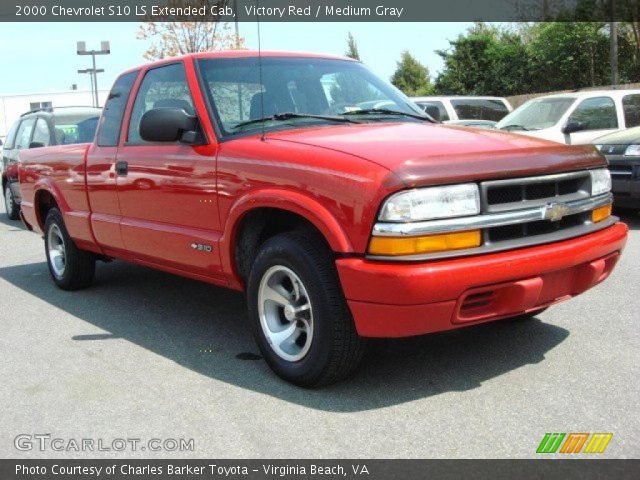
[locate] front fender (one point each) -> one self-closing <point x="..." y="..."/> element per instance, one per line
<point x="288" y="200"/>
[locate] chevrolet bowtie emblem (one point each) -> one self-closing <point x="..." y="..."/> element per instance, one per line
<point x="555" y="211"/>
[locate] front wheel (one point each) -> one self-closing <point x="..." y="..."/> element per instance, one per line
<point x="10" y="205"/>
<point x="298" y="313"/>
<point x="70" y="267"/>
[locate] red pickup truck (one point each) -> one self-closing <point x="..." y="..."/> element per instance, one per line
<point x="341" y="209"/>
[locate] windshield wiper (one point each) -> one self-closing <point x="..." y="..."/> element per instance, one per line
<point x="515" y="127"/>
<point x="279" y="117"/>
<point x="386" y="111"/>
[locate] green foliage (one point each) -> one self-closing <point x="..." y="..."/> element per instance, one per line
<point x="412" y="77"/>
<point x="352" y="48"/>
<point x="535" y="58"/>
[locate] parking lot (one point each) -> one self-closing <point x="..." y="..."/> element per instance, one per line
<point x="144" y="354"/>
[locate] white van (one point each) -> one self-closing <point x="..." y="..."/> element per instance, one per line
<point x="575" y="118"/>
<point x="464" y="108"/>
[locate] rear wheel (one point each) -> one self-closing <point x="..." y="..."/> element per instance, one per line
<point x="70" y="267"/>
<point x="10" y="205"/>
<point x="298" y="313"/>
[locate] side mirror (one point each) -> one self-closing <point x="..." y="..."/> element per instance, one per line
<point x="36" y="145"/>
<point x="572" y="126"/>
<point x="169" y="125"/>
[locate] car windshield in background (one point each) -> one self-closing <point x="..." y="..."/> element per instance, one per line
<point x="536" y="114"/>
<point x="479" y="109"/>
<point x="73" y="128"/>
<point x="240" y="93"/>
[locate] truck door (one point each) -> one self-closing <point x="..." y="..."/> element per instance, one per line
<point x="101" y="161"/>
<point x="167" y="191"/>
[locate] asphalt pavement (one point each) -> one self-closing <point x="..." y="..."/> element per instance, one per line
<point x="147" y="355"/>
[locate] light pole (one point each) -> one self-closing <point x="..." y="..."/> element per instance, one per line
<point x="93" y="72"/>
<point x="105" y="49"/>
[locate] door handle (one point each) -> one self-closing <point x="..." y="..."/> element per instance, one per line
<point x="122" y="168"/>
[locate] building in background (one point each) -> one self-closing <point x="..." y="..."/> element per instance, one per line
<point x="12" y="106"/>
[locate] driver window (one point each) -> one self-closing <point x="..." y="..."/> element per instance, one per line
<point x="596" y="114"/>
<point x="162" y="87"/>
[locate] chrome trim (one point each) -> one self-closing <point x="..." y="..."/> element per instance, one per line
<point x="431" y="227"/>
<point x="531" y="241"/>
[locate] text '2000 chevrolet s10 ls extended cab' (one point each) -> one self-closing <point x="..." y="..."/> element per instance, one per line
<point x="341" y="219"/>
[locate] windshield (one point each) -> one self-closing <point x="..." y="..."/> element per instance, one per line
<point x="239" y="92"/>
<point x="537" y="114"/>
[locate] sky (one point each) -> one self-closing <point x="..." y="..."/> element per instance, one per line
<point x="40" y="57"/>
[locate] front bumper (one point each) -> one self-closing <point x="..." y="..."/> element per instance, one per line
<point x="397" y="299"/>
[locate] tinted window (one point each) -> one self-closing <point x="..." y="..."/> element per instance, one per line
<point x="631" y="108"/>
<point x="596" y="114"/>
<point x="477" y="109"/>
<point x="11" y="136"/>
<point x="111" y="120"/>
<point x="23" y="136"/>
<point x="163" y="87"/>
<point x="41" y="133"/>
<point x="435" y="109"/>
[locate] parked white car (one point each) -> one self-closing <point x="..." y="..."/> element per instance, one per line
<point x="464" y="108"/>
<point x="575" y="118"/>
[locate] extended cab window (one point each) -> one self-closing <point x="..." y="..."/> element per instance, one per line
<point x="162" y="87"/>
<point x="111" y="120"/>
<point x="596" y="114"/>
<point x="23" y="137"/>
<point x="41" y="133"/>
<point x="631" y="108"/>
<point x="470" y="109"/>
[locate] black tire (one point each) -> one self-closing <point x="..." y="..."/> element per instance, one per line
<point x="527" y="316"/>
<point x="79" y="265"/>
<point x="335" y="348"/>
<point x="13" y="209"/>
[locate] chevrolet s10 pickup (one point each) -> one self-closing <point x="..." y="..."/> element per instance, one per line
<point x="340" y="208"/>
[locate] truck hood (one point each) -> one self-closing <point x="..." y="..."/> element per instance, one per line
<point x="427" y="154"/>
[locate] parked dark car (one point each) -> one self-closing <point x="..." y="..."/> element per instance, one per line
<point x="42" y="128"/>
<point x="622" y="150"/>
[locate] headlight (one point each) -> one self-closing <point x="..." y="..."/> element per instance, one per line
<point x="599" y="147"/>
<point x="433" y="202"/>
<point x="632" y="151"/>
<point x="600" y="181"/>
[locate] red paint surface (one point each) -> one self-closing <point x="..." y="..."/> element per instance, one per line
<point x="335" y="176"/>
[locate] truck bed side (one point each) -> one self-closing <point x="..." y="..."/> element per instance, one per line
<point x="58" y="173"/>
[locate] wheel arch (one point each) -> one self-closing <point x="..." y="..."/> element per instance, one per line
<point x="284" y="208"/>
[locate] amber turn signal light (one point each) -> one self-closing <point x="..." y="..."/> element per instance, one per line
<point x="601" y="213"/>
<point x="394" y="246"/>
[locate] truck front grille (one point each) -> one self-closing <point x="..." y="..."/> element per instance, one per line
<point x="502" y="195"/>
<point x="532" y="229"/>
<point x="531" y="192"/>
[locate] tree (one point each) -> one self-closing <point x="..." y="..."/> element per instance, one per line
<point x="352" y="48"/>
<point x="485" y="61"/>
<point x="412" y="77"/>
<point x="170" y="39"/>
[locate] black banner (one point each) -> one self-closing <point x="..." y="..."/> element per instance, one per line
<point x="320" y="469"/>
<point x="318" y="10"/>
